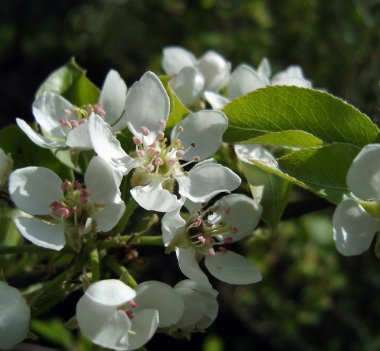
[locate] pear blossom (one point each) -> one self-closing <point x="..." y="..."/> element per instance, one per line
<point x="194" y="77"/>
<point x="6" y="165"/>
<point x="113" y="315"/>
<point x="245" y="79"/>
<point x="156" y="162"/>
<point x="65" y="210"/>
<point x="356" y="220"/>
<point x="204" y="233"/>
<point x="65" y="125"/>
<point x="201" y="306"/>
<point x="14" y="316"/>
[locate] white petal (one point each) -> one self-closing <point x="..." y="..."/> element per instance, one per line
<point x="243" y="80"/>
<point x="108" y="147"/>
<point x="212" y="308"/>
<point x="33" y="189"/>
<point x="205" y="129"/>
<point x="14" y="317"/>
<point x="293" y="75"/>
<point x="171" y="224"/>
<point x="232" y="268"/>
<point x="161" y="297"/>
<point x="103" y="325"/>
<point x="237" y="211"/>
<point x="353" y="228"/>
<point x="216" y="101"/>
<point x="102" y="181"/>
<point x="206" y="181"/>
<point x="188" y="85"/>
<point x="144" y="325"/>
<point x="50" y="236"/>
<point x="175" y="58"/>
<point x="109" y="216"/>
<point x="215" y="69"/>
<point x="196" y="286"/>
<point x="110" y="292"/>
<point x="190" y="267"/>
<point x="153" y="197"/>
<point x="363" y="177"/>
<point x="112" y="98"/>
<point x="48" y="110"/>
<point x="147" y="103"/>
<point x="264" y="70"/>
<point x="79" y="137"/>
<point x="39" y="139"/>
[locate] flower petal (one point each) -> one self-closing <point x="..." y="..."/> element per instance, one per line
<point x="144" y="325"/>
<point x="190" y="267"/>
<point x="108" y="217"/>
<point x="188" y="85"/>
<point x="108" y="147"/>
<point x="244" y="79"/>
<point x="37" y="138"/>
<point x="171" y="224"/>
<point x="48" y="110"/>
<point x="239" y="212"/>
<point x="33" y="189"/>
<point x="293" y="75"/>
<point x="363" y="177"/>
<point x="104" y="325"/>
<point x="161" y="297"/>
<point x="147" y="103"/>
<point x="216" y="101"/>
<point x="264" y="70"/>
<point x="206" y="181"/>
<point x="153" y="197"/>
<point x="112" y="99"/>
<point x="249" y="152"/>
<point x="79" y="137"/>
<point x="110" y="292"/>
<point x="215" y="69"/>
<point x="14" y="317"/>
<point x="232" y="268"/>
<point x="353" y="228"/>
<point x="175" y="58"/>
<point x="204" y="129"/>
<point x="50" y="236"/>
<point x="102" y="181"/>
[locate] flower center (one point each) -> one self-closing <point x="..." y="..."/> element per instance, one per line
<point x="75" y="206"/>
<point x="78" y="115"/>
<point x="160" y="158"/>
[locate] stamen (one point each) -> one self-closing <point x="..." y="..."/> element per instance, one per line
<point x="145" y="131"/>
<point x="160" y="135"/>
<point x="137" y="141"/>
<point x="162" y="122"/>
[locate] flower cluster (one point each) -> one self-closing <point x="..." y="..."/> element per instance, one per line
<point x="137" y="152"/>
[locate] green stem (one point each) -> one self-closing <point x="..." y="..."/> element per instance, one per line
<point x="130" y="208"/>
<point x="132" y="239"/>
<point x="95" y="264"/>
<point x="119" y="269"/>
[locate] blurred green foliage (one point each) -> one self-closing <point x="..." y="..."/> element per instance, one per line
<point x="308" y="290"/>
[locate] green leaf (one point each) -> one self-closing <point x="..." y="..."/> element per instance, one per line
<point x="54" y="331"/>
<point x="25" y="153"/>
<point x="177" y="110"/>
<point x="320" y="169"/>
<point x="269" y="189"/>
<point x="288" y="108"/>
<point x="71" y="82"/>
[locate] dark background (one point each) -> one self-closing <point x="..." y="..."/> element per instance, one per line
<point x="311" y="298"/>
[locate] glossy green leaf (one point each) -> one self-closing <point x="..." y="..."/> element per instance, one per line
<point x="289" y="108"/>
<point x="71" y="82"/>
<point x="177" y="109"/>
<point x="269" y="189"/>
<point x="320" y="169"/>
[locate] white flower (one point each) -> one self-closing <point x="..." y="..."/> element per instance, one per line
<point x="65" y="207"/>
<point x="204" y="233"/>
<point x="64" y="125"/>
<point x="356" y="221"/>
<point x="201" y="306"/>
<point x="14" y="317"/>
<point x="156" y="163"/>
<point x="6" y="165"/>
<point x="245" y="79"/>
<point x="113" y="315"/>
<point x="194" y="76"/>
